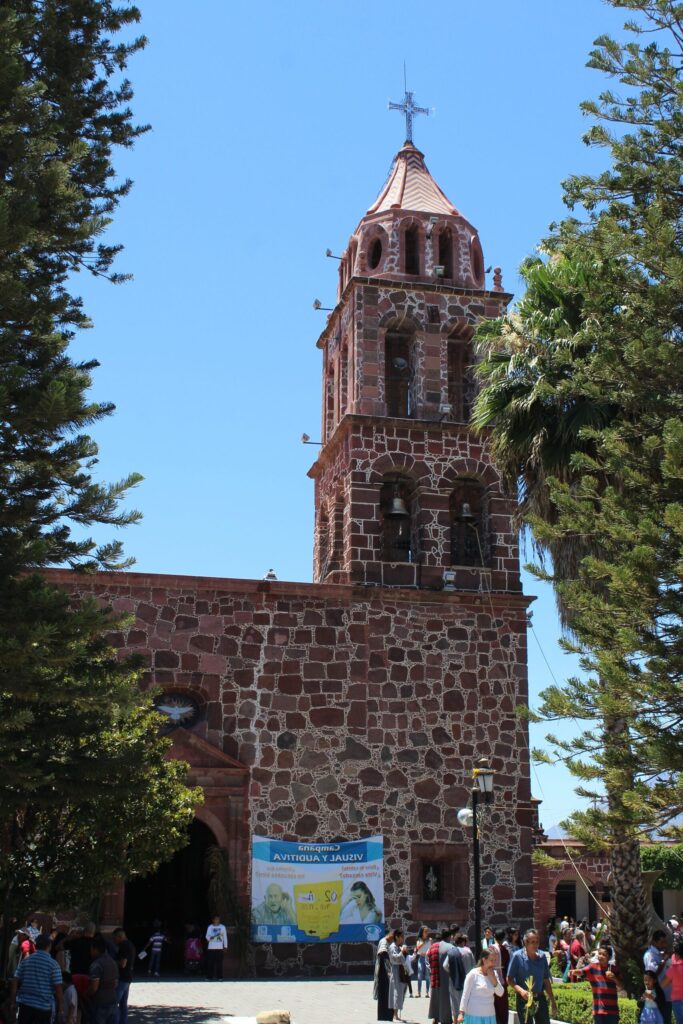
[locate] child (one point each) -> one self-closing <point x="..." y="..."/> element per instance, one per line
<point x="156" y="943"/>
<point x="193" y="953"/>
<point x="603" y="982"/>
<point x="70" y="999"/>
<point x="651" y="1012"/>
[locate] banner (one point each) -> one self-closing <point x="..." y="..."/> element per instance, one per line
<point x="317" y="892"/>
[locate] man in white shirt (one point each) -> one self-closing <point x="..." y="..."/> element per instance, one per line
<point x="217" y="942"/>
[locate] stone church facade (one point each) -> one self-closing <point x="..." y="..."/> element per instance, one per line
<point x="359" y="703"/>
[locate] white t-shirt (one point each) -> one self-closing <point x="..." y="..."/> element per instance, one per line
<point x="216" y="936"/>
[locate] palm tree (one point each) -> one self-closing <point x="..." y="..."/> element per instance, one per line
<point x="538" y="405"/>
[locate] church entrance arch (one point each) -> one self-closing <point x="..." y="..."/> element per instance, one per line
<point x="175" y="895"/>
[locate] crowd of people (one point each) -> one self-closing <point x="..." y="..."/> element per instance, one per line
<point x="84" y="977"/>
<point x="462" y="991"/>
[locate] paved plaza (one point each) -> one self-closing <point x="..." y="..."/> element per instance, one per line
<point x="315" y="1001"/>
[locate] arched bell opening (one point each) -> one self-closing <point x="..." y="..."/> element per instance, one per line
<point x="411" y="250"/>
<point x="444" y="253"/>
<point x="398" y="512"/>
<point x="461" y="380"/>
<point x="469" y="529"/>
<point x="399" y="373"/>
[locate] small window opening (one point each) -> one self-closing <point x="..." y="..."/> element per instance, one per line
<point x="468" y="528"/>
<point x="432" y="882"/>
<point x="375" y="254"/>
<point x="398" y="375"/>
<point x="411" y="248"/>
<point x="446" y="252"/>
<point x="396" y="521"/>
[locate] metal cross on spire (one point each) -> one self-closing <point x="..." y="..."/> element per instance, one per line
<point x="408" y="108"/>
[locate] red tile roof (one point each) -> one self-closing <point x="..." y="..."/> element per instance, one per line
<point x="410" y="186"/>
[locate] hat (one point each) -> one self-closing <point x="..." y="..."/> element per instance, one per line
<point x="43" y="941"/>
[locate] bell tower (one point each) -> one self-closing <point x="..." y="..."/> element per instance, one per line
<point x="405" y="493"/>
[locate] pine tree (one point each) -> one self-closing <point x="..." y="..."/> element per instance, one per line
<point x="583" y="390"/>
<point x="85" y="790"/>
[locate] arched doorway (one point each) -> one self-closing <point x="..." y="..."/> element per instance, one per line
<point x="175" y="895"/>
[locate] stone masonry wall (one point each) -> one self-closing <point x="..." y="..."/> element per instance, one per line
<point x="356" y="711"/>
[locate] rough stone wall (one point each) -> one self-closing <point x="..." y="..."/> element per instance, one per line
<point x="430" y="448"/>
<point x="356" y="711"/>
<point x="360" y="456"/>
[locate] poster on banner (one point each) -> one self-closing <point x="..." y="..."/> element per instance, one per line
<point x="317" y="892"/>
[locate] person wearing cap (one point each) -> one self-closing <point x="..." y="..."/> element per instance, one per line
<point x="39" y="981"/>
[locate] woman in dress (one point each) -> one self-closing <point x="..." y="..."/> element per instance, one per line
<point x="481" y="985"/>
<point x="382" y="978"/>
<point x="397" y="983"/>
<point x="359" y="907"/>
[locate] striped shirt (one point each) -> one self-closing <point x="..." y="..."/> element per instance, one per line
<point x="605" y="999"/>
<point x="37" y="976"/>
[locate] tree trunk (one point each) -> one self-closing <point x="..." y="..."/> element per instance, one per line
<point x="629" y="910"/>
<point x="629" y="913"/>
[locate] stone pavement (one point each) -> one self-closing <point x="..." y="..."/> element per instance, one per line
<point x="310" y="1001"/>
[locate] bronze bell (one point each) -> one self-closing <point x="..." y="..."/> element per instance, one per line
<point x="466" y="513"/>
<point x="397" y="508"/>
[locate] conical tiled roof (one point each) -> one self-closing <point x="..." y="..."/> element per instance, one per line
<point x="410" y="186"/>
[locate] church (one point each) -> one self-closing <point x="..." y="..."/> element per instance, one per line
<point x="358" y="705"/>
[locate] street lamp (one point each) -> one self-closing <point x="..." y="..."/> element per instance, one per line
<point x="482" y="777"/>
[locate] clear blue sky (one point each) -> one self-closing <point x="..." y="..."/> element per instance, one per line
<point x="271" y="137"/>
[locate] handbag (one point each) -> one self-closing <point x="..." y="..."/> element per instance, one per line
<point x="403" y="974"/>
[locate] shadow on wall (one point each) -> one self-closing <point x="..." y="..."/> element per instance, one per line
<point x="172" y="1015"/>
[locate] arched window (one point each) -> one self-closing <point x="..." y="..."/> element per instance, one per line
<point x="446" y="252"/>
<point x="395" y="502"/>
<point x="461" y="382"/>
<point x="469" y="540"/>
<point x="337" y="532"/>
<point x="411" y="250"/>
<point x="398" y="374"/>
<point x="344" y="381"/>
<point x="323" y="544"/>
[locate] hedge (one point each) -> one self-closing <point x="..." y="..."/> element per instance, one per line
<point x="575" y="1004"/>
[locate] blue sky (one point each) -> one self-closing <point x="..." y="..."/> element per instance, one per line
<point x="271" y="137"/>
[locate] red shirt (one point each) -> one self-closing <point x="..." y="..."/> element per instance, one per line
<point x="605" y="999"/>
<point x="674" y="974"/>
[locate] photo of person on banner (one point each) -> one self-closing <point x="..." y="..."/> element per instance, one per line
<point x="359" y="906"/>
<point x="276" y="908"/>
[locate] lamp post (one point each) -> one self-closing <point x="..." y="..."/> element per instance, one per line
<point x="482" y="777"/>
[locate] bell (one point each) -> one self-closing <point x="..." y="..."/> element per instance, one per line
<point x="466" y="513"/>
<point x="397" y="509"/>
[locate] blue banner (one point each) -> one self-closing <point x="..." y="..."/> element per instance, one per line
<point x="317" y="892"/>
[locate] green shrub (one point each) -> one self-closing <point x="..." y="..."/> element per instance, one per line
<point x="575" y="1004"/>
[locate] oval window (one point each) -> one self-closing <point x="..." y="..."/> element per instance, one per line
<point x="476" y="260"/>
<point x="375" y="254"/>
